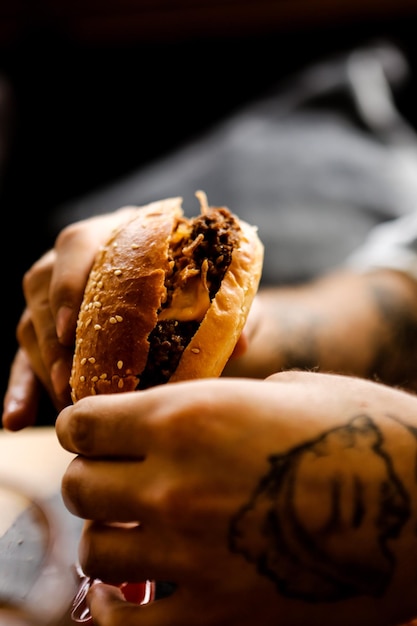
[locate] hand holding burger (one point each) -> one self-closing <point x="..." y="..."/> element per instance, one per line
<point x="166" y="299"/>
<point x="54" y="286"/>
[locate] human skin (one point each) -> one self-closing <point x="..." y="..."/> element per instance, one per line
<point x="359" y="324"/>
<point x="356" y="324"/>
<point x="53" y="288"/>
<point x="288" y="501"/>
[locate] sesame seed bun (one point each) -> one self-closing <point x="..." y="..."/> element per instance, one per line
<point x="166" y="299"/>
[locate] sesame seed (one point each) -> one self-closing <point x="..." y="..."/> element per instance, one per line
<point x="100" y="284"/>
<point x="97" y="327"/>
<point x="117" y="272"/>
<point x="112" y="320"/>
<point x="119" y="318"/>
<point x="195" y="350"/>
<point x="98" y="304"/>
<point x="103" y="376"/>
<point x="120" y="383"/>
<point x="83" y="360"/>
<point x="82" y="379"/>
<point x="88" y="322"/>
<point x="119" y="365"/>
<point x="134" y="246"/>
<point x="94" y="379"/>
<point x="91" y="359"/>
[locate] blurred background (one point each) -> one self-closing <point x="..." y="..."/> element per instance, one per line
<point x="91" y="92"/>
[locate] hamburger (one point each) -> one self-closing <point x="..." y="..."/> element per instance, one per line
<point x="166" y="299"/>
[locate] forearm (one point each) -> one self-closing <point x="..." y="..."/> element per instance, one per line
<point x="351" y="323"/>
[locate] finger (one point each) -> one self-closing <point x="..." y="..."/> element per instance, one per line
<point x="134" y="553"/>
<point x="28" y="341"/>
<point x="55" y="381"/>
<point x="37" y="332"/>
<point x="127" y="424"/>
<point x="76" y="247"/>
<point x="113" y="425"/>
<point x="37" y="324"/>
<point x="21" y="399"/>
<point x="104" y="490"/>
<point x="167" y="419"/>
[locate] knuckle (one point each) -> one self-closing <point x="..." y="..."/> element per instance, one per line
<point x="24" y="328"/>
<point x="81" y="430"/>
<point x="72" y="487"/>
<point x="168" y="503"/>
<point x="36" y="274"/>
<point x="180" y="428"/>
<point x="68" y="234"/>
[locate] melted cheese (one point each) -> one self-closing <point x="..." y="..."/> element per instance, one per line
<point x="189" y="303"/>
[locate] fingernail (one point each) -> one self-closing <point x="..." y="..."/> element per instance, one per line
<point x="12" y="405"/>
<point x="62" y="320"/>
<point x="11" y="408"/>
<point x="15" y="415"/>
<point x="60" y="375"/>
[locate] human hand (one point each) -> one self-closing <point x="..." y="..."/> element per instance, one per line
<point x="269" y="502"/>
<point x="53" y="289"/>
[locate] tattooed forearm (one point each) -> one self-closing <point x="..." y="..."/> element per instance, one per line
<point x="317" y="525"/>
<point x="306" y="328"/>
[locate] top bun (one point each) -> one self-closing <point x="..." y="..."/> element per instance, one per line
<point x="166" y="299"/>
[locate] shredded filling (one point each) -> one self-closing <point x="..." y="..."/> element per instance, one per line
<point x="202" y="253"/>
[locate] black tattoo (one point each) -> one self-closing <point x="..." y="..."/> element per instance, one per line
<point x="338" y="547"/>
<point x="413" y="431"/>
<point x="302" y="353"/>
<point x="395" y="359"/>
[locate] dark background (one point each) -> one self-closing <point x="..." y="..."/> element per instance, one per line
<point x="94" y="93"/>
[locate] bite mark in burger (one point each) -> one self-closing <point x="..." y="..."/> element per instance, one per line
<point x="166" y="299"/>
